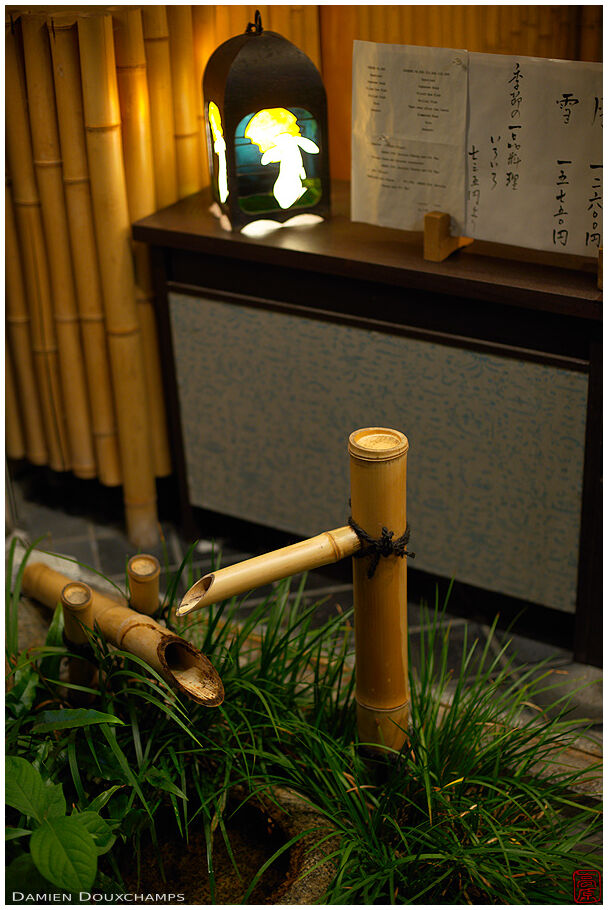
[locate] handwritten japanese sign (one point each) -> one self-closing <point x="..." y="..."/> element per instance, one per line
<point x="535" y="179"/>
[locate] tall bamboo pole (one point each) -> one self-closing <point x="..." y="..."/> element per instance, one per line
<point x="141" y="199"/>
<point x="15" y="439"/>
<point x="187" y="136"/>
<point x="378" y="459"/>
<point x="47" y="160"/>
<point x="34" y="255"/>
<point x="68" y="94"/>
<point x="162" y="120"/>
<point x="20" y="341"/>
<point x="203" y="30"/>
<point x="104" y="147"/>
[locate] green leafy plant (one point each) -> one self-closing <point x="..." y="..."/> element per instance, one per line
<point x="476" y="808"/>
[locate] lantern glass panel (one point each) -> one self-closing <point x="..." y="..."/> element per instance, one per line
<point x="277" y="160"/>
<point x="217" y="168"/>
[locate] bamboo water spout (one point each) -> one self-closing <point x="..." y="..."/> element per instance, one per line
<point x="378" y="500"/>
<point x="183" y="666"/>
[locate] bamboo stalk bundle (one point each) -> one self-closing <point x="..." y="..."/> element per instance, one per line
<point x="141" y="199"/>
<point x="222" y="24"/>
<point x="312" y="41"/>
<point x="546" y="40"/>
<point x="203" y="32"/>
<point x="474" y="28"/>
<point x="378" y="459"/>
<point x="144" y="575"/>
<point x="70" y="116"/>
<point x="393" y="24"/>
<point x="436" y="16"/>
<point x="326" y="548"/>
<point x="162" y="122"/>
<point x="112" y="228"/>
<point x="590" y="47"/>
<point x="34" y="256"/>
<point x="20" y="342"/>
<point x="239" y="15"/>
<point x="47" y="161"/>
<point x="15" y="439"/>
<point x="187" y="136"/>
<point x="179" y="662"/>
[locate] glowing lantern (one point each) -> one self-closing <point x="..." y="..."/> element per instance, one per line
<point x="266" y="117"/>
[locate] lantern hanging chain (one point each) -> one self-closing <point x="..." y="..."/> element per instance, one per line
<point x="381" y="546"/>
<point x="255" y="26"/>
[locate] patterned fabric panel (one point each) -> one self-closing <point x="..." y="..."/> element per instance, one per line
<point x="496" y="446"/>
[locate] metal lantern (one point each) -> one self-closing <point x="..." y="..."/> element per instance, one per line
<point x="266" y="120"/>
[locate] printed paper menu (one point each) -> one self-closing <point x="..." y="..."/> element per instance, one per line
<point x="510" y="146"/>
<point x="409" y="117"/>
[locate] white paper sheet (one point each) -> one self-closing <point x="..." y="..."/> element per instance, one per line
<point x="534" y="153"/>
<point x="408" y="139"/>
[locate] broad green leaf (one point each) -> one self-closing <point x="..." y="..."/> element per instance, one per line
<point x="65" y="853"/>
<point x="14" y="833"/>
<point x="100" y="801"/>
<point x="24" y="788"/>
<point x="23" y="878"/>
<point x="23" y="694"/>
<point x="69" y="718"/>
<point x="55" y="800"/>
<point x="99" y="830"/>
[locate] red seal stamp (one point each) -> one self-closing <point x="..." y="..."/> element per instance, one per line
<point x="587" y="885"/>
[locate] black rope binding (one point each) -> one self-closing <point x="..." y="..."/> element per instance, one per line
<point x="382" y="546"/>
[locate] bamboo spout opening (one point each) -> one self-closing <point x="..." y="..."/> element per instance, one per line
<point x="190" y="671"/>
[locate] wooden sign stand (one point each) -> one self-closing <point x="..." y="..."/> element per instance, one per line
<point x="378" y="529"/>
<point x="438" y="242"/>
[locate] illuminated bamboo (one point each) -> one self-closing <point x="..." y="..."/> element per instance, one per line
<point x="68" y="94"/>
<point x="141" y="199"/>
<point x="33" y="256"/>
<point x="77" y="605"/>
<point x="15" y="440"/>
<point x="178" y="661"/>
<point x="378" y="459"/>
<point x="303" y="556"/>
<point x="20" y="341"/>
<point x="47" y="161"/>
<point x="203" y="32"/>
<point x="187" y="151"/>
<point x="162" y="121"/>
<point x="144" y="575"/>
<point x="311" y="34"/>
<point x="112" y="228"/>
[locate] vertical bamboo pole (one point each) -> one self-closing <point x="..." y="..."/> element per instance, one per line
<point x="162" y="121"/>
<point x="141" y="199"/>
<point x="34" y="256"/>
<point x="187" y="151"/>
<point x="15" y="440"/>
<point x="104" y="147"/>
<point x="47" y="161"/>
<point x="77" y="606"/>
<point x="144" y="576"/>
<point x="222" y="24"/>
<point x="378" y="459"/>
<point x="590" y="47"/>
<point x="203" y="31"/>
<point x="70" y="116"/>
<point x="20" y="341"/>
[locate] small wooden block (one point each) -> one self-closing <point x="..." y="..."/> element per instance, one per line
<point x="438" y="242"/>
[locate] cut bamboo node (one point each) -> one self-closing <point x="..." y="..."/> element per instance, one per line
<point x="144" y="572"/>
<point x="377" y="444"/>
<point x="77" y="603"/>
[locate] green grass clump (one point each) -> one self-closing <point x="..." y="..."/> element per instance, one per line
<point x="476" y="808"/>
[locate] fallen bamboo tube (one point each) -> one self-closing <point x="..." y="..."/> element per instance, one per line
<point x="70" y="116"/>
<point x="174" y="658"/>
<point x="33" y="256"/>
<point x="378" y="459"/>
<point x="77" y="607"/>
<point x="48" y="164"/>
<point x="187" y="150"/>
<point x="331" y="546"/>
<point x="162" y="120"/>
<point x="141" y="200"/>
<point x="144" y="576"/>
<point x="112" y="228"/>
<point x="20" y="341"/>
<point x="15" y="440"/>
